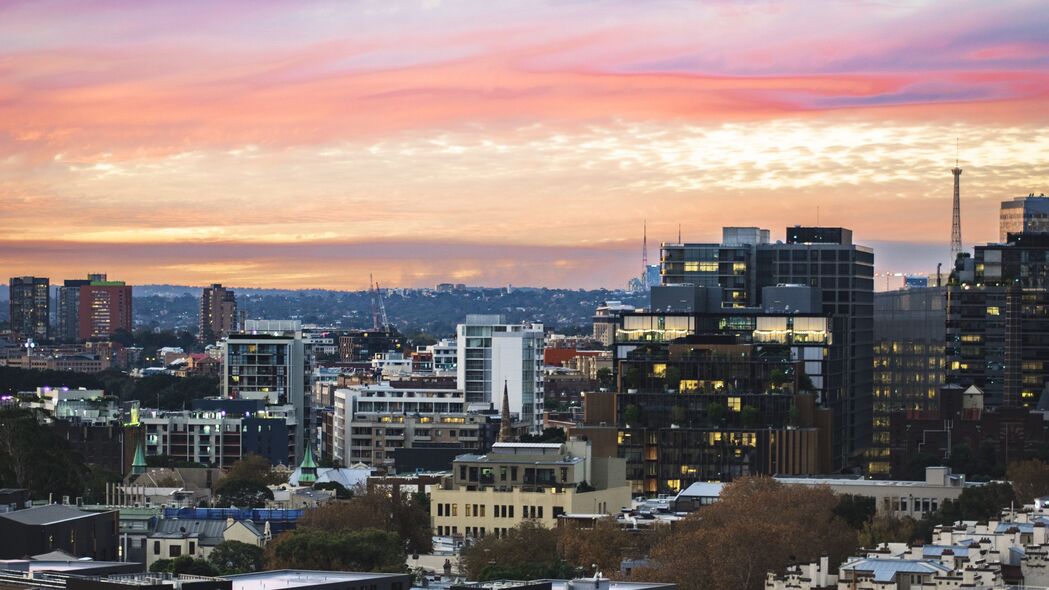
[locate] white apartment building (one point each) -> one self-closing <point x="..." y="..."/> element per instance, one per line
<point x="215" y="437"/>
<point x="444" y="355"/>
<point x="268" y="359"/>
<point x="370" y="421"/>
<point x="492" y="353"/>
<point x="391" y="364"/>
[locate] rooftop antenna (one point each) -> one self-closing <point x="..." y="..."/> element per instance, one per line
<point x="956" y="218"/>
<point x="679" y="233"/>
<point x="817" y="215"/>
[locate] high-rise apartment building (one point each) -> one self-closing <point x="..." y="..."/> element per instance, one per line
<point x="824" y="258"/>
<point x="218" y="313"/>
<point x="909" y="363"/>
<point x="30" y="307"/>
<point x="717" y="393"/>
<point x="68" y="316"/>
<point x="493" y="354"/>
<point x="268" y="360"/>
<point x="1028" y="214"/>
<point x="998" y="321"/>
<point x="104" y="307"/>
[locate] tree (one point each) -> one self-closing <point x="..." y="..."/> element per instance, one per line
<point x="32" y="456"/>
<point x="632" y="415"/>
<point x="184" y="565"/>
<point x="749" y="416"/>
<point x="888" y="529"/>
<point x="857" y="511"/>
<point x="604" y="377"/>
<point x="529" y="551"/>
<point x="672" y="378"/>
<point x="978" y="503"/>
<point x="605" y="545"/>
<point x="549" y="435"/>
<point x="1030" y="480"/>
<point x="758" y="526"/>
<point x="367" y="550"/>
<point x="242" y="493"/>
<point x="254" y="468"/>
<point x="235" y="557"/>
<point x="405" y="515"/>
<point x="341" y="493"/>
<point x="716" y="413"/>
<point x="678" y="414"/>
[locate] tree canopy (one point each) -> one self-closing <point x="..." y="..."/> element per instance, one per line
<point x="368" y="550"/>
<point x="758" y="526"/>
<point x="1030" y="480"/>
<point x="235" y="557"/>
<point x="405" y="515"/>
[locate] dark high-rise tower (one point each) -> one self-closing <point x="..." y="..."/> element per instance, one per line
<point x="956" y="221"/>
<point x="218" y="313"/>
<point x="30" y="307"/>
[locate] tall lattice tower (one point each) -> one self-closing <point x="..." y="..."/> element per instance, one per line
<point x="956" y="221"/>
<point x="644" y="258"/>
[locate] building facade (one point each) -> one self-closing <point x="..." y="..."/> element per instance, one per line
<point x="998" y="321"/>
<point x="492" y="354"/>
<point x="219" y="435"/>
<point x="268" y="360"/>
<point x="823" y="258"/>
<point x="909" y="360"/>
<point x="68" y="314"/>
<point x="1028" y="214"/>
<point x="30" y="308"/>
<point x="371" y="421"/>
<point x="492" y="493"/>
<point x="104" y="309"/>
<point x="218" y="313"/>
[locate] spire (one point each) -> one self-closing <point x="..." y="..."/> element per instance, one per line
<point x="138" y="464"/>
<point x="308" y="467"/>
<point x="505" y="427"/>
<point x="956" y="218"/>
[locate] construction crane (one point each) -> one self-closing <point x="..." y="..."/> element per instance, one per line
<point x="382" y="310"/>
<point x="379" y="319"/>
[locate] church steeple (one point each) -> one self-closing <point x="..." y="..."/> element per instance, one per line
<point x="138" y="464"/>
<point x="308" y="467"/>
<point x="506" y="432"/>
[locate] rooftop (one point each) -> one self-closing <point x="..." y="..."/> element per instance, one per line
<point x="299" y="578"/>
<point x="44" y="515"/>
<point x="886" y="570"/>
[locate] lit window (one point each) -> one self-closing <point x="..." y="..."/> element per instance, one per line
<point x="993" y="311"/>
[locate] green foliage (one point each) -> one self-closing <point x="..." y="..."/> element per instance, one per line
<point x="242" y="493"/>
<point x="749" y="416"/>
<point x="678" y="414"/>
<point x="857" y="511"/>
<point x="368" y="550"/>
<point x="407" y="516"/>
<point x="183" y="565"/>
<point x="234" y="557"/>
<point x="1030" y="480"/>
<point x="716" y="413"/>
<point x="528" y="551"/>
<point x="94" y="485"/>
<point x="672" y="378"/>
<point x="632" y="415"/>
<point x="631" y="378"/>
<point x="604" y="377"/>
<point x="173" y="393"/>
<point x="584" y="486"/>
<point x="32" y="456"/>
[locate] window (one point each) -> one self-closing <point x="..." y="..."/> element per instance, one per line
<point x="174" y="550"/>
<point x="192" y="547"/>
<point x="156" y="547"/>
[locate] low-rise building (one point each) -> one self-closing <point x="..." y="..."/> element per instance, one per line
<point x="492" y="493"/>
<point x="371" y="421"/>
<point x="897" y="498"/>
<point x="41" y="529"/>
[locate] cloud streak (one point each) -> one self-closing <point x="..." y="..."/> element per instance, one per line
<point x="501" y="125"/>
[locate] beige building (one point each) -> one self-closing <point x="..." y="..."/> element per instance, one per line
<point x="490" y="494"/>
<point x="897" y="498"/>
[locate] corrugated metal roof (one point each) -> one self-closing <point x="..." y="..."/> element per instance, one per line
<point x="886" y="570"/>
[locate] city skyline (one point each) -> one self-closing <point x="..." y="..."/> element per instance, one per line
<point x="307" y="145"/>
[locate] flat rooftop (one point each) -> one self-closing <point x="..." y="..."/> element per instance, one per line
<point x="299" y="578"/>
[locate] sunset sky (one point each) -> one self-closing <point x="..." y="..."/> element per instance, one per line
<point x="308" y="144"/>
